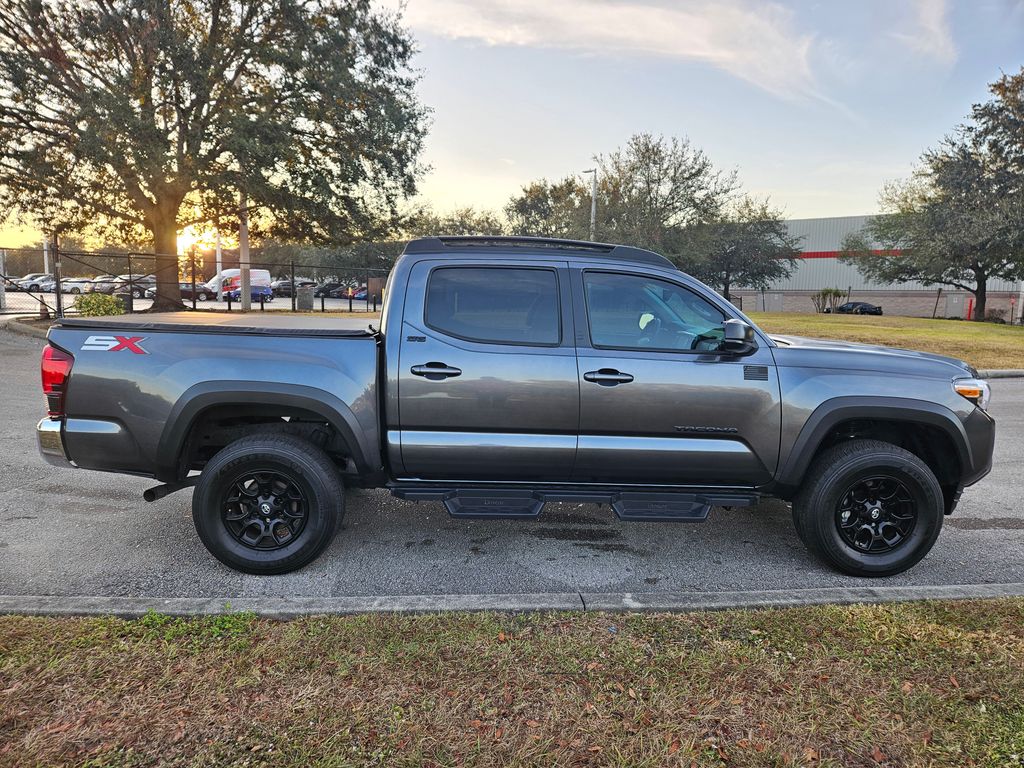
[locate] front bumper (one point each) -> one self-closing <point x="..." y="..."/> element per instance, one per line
<point x="50" y="437"/>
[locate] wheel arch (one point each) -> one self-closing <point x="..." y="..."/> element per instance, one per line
<point x="901" y="421"/>
<point x="204" y="397"/>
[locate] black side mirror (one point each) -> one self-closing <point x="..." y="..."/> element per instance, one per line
<point x="739" y="338"/>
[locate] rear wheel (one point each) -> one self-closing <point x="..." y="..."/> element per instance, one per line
<point x="869" y="508"/>
<point x="268" y="504"/>
<point x="202" y="297"/>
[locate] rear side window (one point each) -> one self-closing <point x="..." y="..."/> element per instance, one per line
<point x="495" y="304"/>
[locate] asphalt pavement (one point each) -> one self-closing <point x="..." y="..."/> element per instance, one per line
<point x="66" y="532"/>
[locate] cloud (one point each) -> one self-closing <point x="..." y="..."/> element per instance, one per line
<point x="754" y="41"/>
<point x="931" y="36"/>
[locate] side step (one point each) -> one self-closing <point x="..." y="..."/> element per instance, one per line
<point x="527" y="504"/>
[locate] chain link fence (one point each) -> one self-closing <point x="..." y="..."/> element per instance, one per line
<point x="50" y="282"/>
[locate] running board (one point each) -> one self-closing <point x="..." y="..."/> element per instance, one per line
<point x="527" y="504"/>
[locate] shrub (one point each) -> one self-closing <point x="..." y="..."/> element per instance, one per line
<point x="98" y="305"/>
<point x="996" y="316"/>
<point x="827" y="298"/>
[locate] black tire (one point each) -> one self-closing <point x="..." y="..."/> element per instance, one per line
<point x="76" y="291"/>
<point x="313" y="476"/>
<point x="202" y="297"/>
<point x="817" y="508"/>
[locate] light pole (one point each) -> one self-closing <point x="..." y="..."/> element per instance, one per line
<point x="593" y="203"/>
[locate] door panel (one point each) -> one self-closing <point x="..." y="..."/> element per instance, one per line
<point x="512" y="410"/>
<point x="690" y="417"/>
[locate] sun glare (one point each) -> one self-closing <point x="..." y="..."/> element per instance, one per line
<point x="191" y="236"/>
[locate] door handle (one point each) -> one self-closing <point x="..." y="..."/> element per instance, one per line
<point x="607" y="377"/>
<point x="435" y="371"/>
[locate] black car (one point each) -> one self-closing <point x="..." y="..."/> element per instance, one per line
<point x="858" y="308"/>
<point x="324" y="289"/>
<point x="203" y="292"/>
<point x="284" y="287"/>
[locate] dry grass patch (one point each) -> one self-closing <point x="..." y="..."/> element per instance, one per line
<point x="983" y="345"/>
<point x="918" y="684"/>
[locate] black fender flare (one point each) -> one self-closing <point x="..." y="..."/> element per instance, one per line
<point x="208" y="394"/>
<point x="839" y="409"/>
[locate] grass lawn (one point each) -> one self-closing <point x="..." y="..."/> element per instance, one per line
<point x="938" y="684"/>
<point x="983" y="345"/>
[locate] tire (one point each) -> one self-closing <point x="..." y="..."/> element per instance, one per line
<point x="832" y="484"/>
<point x="313" y="478"/>
<point x="76" y="291"/>
<point x="136" y="294"/>
<point x="202" y="297"/>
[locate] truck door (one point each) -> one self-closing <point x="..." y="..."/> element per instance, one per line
<point x="658" y="404"/>
<point x="487" y="385"/>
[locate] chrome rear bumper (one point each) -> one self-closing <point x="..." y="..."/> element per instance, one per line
<point x="51" y="442"/>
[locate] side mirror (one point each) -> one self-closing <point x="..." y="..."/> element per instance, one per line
<point x="739" y="338"/>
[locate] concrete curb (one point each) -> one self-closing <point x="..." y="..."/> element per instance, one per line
<point x="15" y="326"/>
<point x="1002" y="373"/>
<point x="293" y="607"/>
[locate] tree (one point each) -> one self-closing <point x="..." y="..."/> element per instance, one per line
<point x="652" y="189"/>
<point x="747" y="245"/>
<point x="551" y="209"/>
<point x="951" y="224"/>
<point x="462" y="221"/>
<point x="156" y="114"/>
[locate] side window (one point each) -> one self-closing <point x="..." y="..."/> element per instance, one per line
<point x="634" y="312"/>
<point x="495" y="304"/>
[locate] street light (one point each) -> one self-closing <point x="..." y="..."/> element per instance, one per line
<point x="593" y="203"/>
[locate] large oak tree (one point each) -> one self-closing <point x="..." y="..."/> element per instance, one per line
<point x="157" y="114"/>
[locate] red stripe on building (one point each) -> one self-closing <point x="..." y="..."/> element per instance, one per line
<point x="837" y="254"/>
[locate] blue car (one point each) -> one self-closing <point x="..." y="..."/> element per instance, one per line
<point x="256" y="291"/>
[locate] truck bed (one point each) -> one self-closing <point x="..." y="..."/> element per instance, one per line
<point x="263" y="323"/>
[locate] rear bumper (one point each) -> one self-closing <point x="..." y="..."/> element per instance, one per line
<point x="50" y="437"/>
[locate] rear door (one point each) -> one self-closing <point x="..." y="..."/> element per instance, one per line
<point x="488" y="386"/>
<point x="658" y="403"/>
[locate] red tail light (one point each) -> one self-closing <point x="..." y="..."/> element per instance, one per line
<point x="56" y="365"/>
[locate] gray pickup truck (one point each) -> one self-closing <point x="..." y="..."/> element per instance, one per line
<point x="509" y="372"/>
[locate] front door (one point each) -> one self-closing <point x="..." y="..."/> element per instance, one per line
<point x="488" y="386"/>
<point x="659" y="404"/>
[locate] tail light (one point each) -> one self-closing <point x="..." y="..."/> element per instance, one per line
<point x="56" y="366"/>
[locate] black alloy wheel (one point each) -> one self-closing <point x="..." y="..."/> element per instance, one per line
<point x="264" y="509"/>
<point x="876" y="514"/>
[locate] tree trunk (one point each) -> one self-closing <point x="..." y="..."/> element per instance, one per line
<point x="165" y="270"/>
<point x="980" y="294"/>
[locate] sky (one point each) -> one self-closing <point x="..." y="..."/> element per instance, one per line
<point x="814" y="104"/>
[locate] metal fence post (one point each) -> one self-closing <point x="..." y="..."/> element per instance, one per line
<point x="131" y="284"/>
<point x="193" y="277"/>
<point x="261" y="301"/>
<point x="58" y="291"/>
<point x="294" y="287"/>
<point x="3" y="288"/>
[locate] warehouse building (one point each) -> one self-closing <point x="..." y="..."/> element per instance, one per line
<point x="819" y="267"/>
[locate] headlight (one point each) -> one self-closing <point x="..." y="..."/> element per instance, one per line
<point x="975" y="390"/>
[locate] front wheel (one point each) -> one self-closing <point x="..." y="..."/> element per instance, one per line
<point x="869" y="508"/>
<point x="202" y="297"/>
<point x="268" y="504"/>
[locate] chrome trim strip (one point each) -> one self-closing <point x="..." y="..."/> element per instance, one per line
<point x="51" y="442"/>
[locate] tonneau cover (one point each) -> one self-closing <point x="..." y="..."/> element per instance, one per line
<point x="272" y="323"/>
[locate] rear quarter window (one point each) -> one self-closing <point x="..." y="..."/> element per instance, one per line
<point x="503" y="305"/>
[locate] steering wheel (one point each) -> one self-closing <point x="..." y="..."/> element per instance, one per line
<point x="650" y="331"/>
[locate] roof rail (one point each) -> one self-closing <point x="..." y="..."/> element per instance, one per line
<point x="536" y="245"/>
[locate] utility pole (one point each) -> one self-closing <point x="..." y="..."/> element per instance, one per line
<point x="593" y="203"/>
<point x="220" y="268"/>
<point x="245" y="288"/>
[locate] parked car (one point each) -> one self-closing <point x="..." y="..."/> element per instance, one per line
<point x="231" y="281"/>
<point x="75" y="285"/>
<point x="284" y="287"/>
<point x="324" y="289"/>
<point x="34" y="281"/>
<point x="203" y="292"/>
<point x="509" y="372"/>
<point x="344" y="291"/>
<point x="103" y="284"/>
<point x="857" y="308"/>
<point x="256" y="291"/>
<point x="136" y="285"/>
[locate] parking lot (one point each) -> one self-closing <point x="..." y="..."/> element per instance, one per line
<point x="71" y="532"/>
<point x="19" y="302"/>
